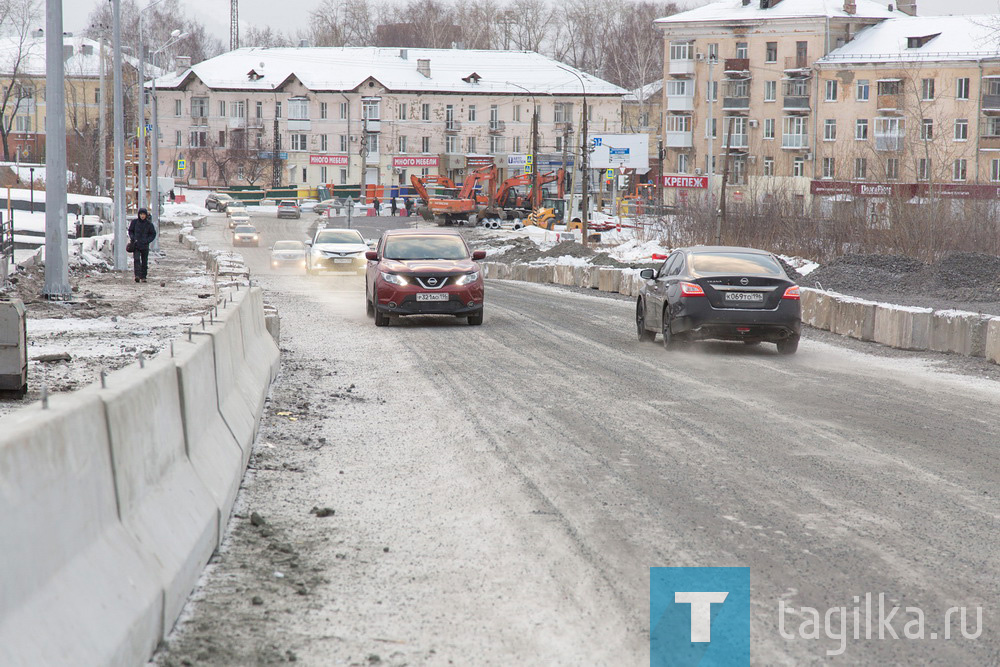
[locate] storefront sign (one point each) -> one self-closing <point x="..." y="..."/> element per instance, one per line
<point x="685" y="181"/>
<point x="415" y="161"/>
<point x="334" y="160"/>
<point x="904" y="190"/>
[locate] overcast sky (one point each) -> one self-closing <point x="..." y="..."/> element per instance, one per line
<point x="293" y="14"/>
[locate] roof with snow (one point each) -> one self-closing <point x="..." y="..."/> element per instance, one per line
<point x="84" y="59"/>
<point x="643" y="93"/>
<point x="734" y="10"/>
<point x="346" y="68"/>
<point x="918" y="38"/>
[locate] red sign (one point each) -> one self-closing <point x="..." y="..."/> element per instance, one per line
<point x="685" y="181"/>
<point x="414" y="161"/>
<point x="335" y="160"/>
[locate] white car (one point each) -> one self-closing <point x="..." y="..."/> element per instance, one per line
<point x="337" y="251"/>
<point x="307" y="205"/>
<point x="239" y="218"/>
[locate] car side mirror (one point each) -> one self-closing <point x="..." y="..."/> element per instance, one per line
<point x="371" y="255"/>
<point x="647" y="274"/>
<point x="478" y="254"/>
<point x="309" y="243"/>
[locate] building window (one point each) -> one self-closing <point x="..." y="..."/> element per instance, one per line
<point x="299" y="142"/>
<point x="563" y="112"/>
<point x="889" y="134"/>
<point x="769" y="166"/>
<point x="401" y="111"/>
<point x="736" y="131"/>
<point x="828" y="167"/>
<point x="710" y="164"/>
<point x="961" y="129"/>
<point x="799" y="166"/>
<point x="343" y="177"/>
<point x="222" y="109"/>
<point x="517" y="113"/>
<point x="712" y="128"/>
<point x="861" y="90"/>
<point x="516" y="144"/>
<point x="962" y="89"/>
<point x="222" y="139"/>
<point x="198" y="139"/>
<point x="995" y="170"/>
<point x="204" y="170"/>
<point x="305" y="179"/>
<point x="992" y="126"/>
<point x="199" y="107"/>
<point x="713" y="51"/>
<point x="741" y="50"/>
<point x="425" y="144"/>
<point x="892" y="169"/>
<point x="678" y="123"/>
<point x="771" y="52"/>
<point x="373" y="141"/>
<point x="831" y="90"/>
<point x="769" y="128"/>
<point x="343" y="143"/>
<point x="425" y="111"/>
<point x="494" y="117"/>
<point x="682" y="163"/>
<point x="343" y="110"/>
<point x="370" y="108"/>
<point x="927" y="89"/>
<point x="178" y="107"/>
<point x="449" y="117"/>
<point x="923" y="169"/>
<point x="830" y="129"/>
<point x="323" y="115"/>
<point x="277" y="109"/>
<point x="959" y="170"/>
<point x="770" y="91"/>
<point x="927" y="129"/>
<point x="237" y="109"/>
<point x="680" y="50"/>
<point x="794" y="133"/>
<point x="470" y="143"/>
<point x="322" y="175"/>
<point x="259" y="110"/>
<point x="324" y="144"/>
<point x="888" y="87"/>
<point x="861" y="129"/>
<point x="402" y="144"/>
<point x="497" y="145"/>
<point x="451" y="144"/>
<point x="712" y="92"/>
<point x="861" y="168"/>
<point x="178" y="138"/>
<point x="472" y="113"/>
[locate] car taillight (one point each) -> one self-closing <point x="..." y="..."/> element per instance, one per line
<point x="791" y="293"/>
<point x="691" y="289"/>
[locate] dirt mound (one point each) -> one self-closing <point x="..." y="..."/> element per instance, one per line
<point x="570" y="248"/>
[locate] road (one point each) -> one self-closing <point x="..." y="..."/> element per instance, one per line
<point x="501" y="491"/>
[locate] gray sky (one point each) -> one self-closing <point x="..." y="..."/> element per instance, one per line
<point x="293" y="14"/>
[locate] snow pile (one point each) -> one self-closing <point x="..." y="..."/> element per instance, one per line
<point x="91" y="251"/>
<point x="634" y="251"/>
<point x="800" y="264"/>
<point x="182" y="212"/>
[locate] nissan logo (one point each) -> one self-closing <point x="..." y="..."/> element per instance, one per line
<point x="744" y="281"/>
<point x="432" y="281"/>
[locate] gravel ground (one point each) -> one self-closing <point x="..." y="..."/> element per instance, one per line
<point x="110" y="319"/>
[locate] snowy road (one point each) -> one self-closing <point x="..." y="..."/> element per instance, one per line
<point x="501" y="491"/>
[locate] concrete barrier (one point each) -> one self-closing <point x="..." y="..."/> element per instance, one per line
<point x="993" y="340"/>
<point x="257" y="343"/>
<point x="237" y="398"/>
<point x="903" y="327"/>
<point x="211" y="447"/>
<point x="959" y="332"/>
<point x="76" y="585"/>
<point x="161" y="500"/>
<point x="851" y="317"/>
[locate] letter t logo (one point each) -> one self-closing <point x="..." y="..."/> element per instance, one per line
<point x="701" y="612"/>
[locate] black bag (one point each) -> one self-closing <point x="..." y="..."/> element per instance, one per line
<point x="129" y="247"/>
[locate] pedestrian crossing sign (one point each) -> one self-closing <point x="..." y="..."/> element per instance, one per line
<point x="181" y="165"/>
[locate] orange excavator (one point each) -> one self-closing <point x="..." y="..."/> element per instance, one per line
<point x="451" y="205"/>
<point x="509" y="202"/>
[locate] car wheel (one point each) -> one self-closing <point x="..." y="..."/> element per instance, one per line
<point x="788" y="346"/>
<point x="369" y="306"/>
<point x="381" y="319"/>
<point x="644" y="334"/>
<point x="477" y="319"/>
<point x="669" y="339"/>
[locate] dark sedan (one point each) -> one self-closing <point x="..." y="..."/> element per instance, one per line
<point x="722" y="293"/>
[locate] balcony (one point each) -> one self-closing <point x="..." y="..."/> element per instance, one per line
<point x="796" y="103"/>
<point x="679" y="139"/>
<point x="888" y="103"/>
<point x="371" y="124"/>
<point x="563" y="127"/>
<point x="737" y="103"/>
<point x="795" y="141"/>
<point x="372" y="158"/>
<point x="736" y="142"/>
<point x="795" y="63"/>
<point x="680" y="103"/>
<point x="452" y="125"/>
<point x="497" y="126"/>
<point x="989" y="142"/>
<point x="305" y="125"/>
<point x="198" y="119"/>
<point x="681" y="67"/>
<point x="991" y="103"/>
<point x="888" y="142"/>
<point x="737" y="66"/>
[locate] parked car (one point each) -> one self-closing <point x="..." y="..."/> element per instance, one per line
<point x="288" y="255"/>
<point x="322" y="207"/>
<point x="216" y="201"/>
<point x="422" y="272"/>
<point x="267" y="202"/>
<point x="338" y="251"/>
<point x="722" y="293"/>
<point x="308" y="204"/>
<point x="288" y="208"/>
<point x="246" y="235"/>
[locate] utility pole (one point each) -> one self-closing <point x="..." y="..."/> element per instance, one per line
<point x="102" y="130"/>
<point x="275" y="156"/>
<point x="121" y="263"/>
<point x="141" y="135"/>
<point x="659" y="183"/>
<point x="535" y="194"/>
<point x="56" y="234"/>
<point x="721" y="217"/>
<point x="709" y="135"/>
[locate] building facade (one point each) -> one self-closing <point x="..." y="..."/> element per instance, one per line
<point x="374" y="116"/>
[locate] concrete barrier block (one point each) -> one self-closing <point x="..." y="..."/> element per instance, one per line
<point x="260" y="349"/>
<point x="609" y="280"/>
<point x="578" y="277"/>
<point x="162" y="501"/>
<point x="959" y="332"/>
<point x="903" y="327"/>
<point x="78" y="589"/>
<point x="546" y="273"/>
<point x="273" y="324"/>
<point x="236" y="394"/>
<point x="211" y="447"/>
<point x="815" y="308"/>
<point x="592" y="279"/>
<point x="851" y="317"/>
<point x="993" y="340"/>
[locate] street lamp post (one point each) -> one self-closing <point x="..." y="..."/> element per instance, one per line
<point x="142" y="108"/>
<point x="154" y="184"/>
<point x="585" y="149"/>
<point x="535" y="194"/>
<point x="56" y="234"/>
<point x="121" y="263"/>
<point x="31" y="177"/>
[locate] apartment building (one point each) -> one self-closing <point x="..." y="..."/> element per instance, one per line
<point x="340" y="116"/>
<point x="740" y="75"/>
<point x="642" y="113"/>
<point x="911" y="107"/>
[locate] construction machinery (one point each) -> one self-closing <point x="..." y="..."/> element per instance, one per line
<point x="449" y="205"/>
<point x="511" y="205"/>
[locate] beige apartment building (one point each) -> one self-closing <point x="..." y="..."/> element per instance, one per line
<point x="344" y="116"/>
<point x="742" y="74"/>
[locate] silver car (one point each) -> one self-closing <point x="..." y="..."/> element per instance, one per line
<point x="337" y="251"/>
<point x="288" y="255"/>
<point x="246" y="235"/>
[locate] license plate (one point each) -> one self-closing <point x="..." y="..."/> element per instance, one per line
<point x="431" y="296"/>
<point x="745" y="296"/>
<point x="342" y="260"/>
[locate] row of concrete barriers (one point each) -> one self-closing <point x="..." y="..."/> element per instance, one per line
<point x="907" y="328"/>
<point x="114" y="497"/>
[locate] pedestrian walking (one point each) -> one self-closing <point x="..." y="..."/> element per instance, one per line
<point x="393" y="209"/>
<point x="376" y="205"/>
<point x="408" y="205"/>
<point x="173" y="196"/>
<point x="141" y="234"/>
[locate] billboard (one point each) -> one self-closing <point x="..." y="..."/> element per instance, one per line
<point x="336" y="160"/>
<point x="415" y="161"/>
<point x="613" y="151"/>
<point x="672" y="181"/>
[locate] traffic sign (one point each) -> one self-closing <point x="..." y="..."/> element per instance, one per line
<point x="181" y="164"/>
<point x="609" y="174"/>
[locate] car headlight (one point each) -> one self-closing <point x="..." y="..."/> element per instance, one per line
<point x="467" y="278"/>
<point x="394" y="278"/>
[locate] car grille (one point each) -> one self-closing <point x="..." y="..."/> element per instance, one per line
<point x="432" y="282"/>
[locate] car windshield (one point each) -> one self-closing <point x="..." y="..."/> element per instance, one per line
<point x="237" y="206"/>
<point x="425" y="247"/>
<point x="245" y="229"/>
<point x="737" y="263"/>
<point x="288" y="245"/>
<point x="339" y="236"/>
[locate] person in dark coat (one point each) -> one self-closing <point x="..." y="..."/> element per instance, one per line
<point x="408" y="205"/>
<point x="141" y="234"/>
<point x="394" y="209"/>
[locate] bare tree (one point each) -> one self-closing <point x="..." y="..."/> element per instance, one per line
<point x="264" y="37"/>
<point x="19" y="16"/>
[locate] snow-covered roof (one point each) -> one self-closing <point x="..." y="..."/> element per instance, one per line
<point x="85" y="60"/>
<point x="643" y="93"/>
<point x="734" y="10"/>
<point x="345" y="68"/>
<point x="970" y="37"/>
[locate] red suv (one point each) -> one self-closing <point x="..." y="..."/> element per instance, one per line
<point x="423" y="272"/>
